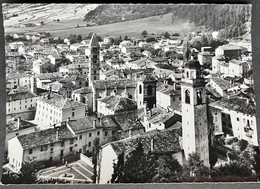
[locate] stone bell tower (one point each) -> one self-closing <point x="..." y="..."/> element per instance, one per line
<point x="194" y="112"/>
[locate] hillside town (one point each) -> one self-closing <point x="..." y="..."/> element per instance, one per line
<point x="77" y="107"/>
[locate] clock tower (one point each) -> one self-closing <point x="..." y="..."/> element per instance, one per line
<point x="94" y="63"/>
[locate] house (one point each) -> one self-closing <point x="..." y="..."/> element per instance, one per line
<point x="19" y="35"/>
<point x="125" y="44"/>
<point x="42" y="80"/>
<point x="167" y="95"/>
<point x="44" y="40"/>
<point x="16" y="127"/>
<point x="40" y="67"/>
<point x="16" y="45"/>
<point x="158" y="118"/>
<point x="20" y="100"/>
<point x="51" y="144"/>
<point x="229" y="51"/>
<point x="205" y="57"/>
<point x="127" y="49"/>
<point x="108" y="40"/>
<point x="158" y="142"/>
<point x="15" y="80"/>
<point x="143" y="44"/>
<point x="142" y="63"/>
<point x="74" y="46"/>
<point x="86" y="130"/>
<point x="222" y="86"/>
<point x="238" y="68"/>
<point x="147" y="53"/>
<point x="55" y="58"/>
<point x="235" y="116"/>
<point x="36" y="37"/>
<point x="80" y="68"/>
<point x="112" y="105"/>
<point x="216" y="62"/>
<point x="115" y="62"/>
<point x="11" y="66"/>
<point x="84" y="95"/>
<point x="53" y="108"/>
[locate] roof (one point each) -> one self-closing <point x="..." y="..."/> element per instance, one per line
<point x="13" y="96"/>
<point x="60" y="102"/>
<point x="192" y="64"/>
<point x="237" y="62"/>
<point x="16" y="75"/>
<point x="84" y="124"/>
<point x="45" y="76"/>
<point x="176" y="106"/>
<point x="83" y="90"/>
<point x="230" y="47"/>
<point x="222" y="83"/>
<point x="119" y="104"/>
<point x="163" y="141"/>
<point x="236" y="104"/>
<point x="112" y="84"/>
<point x="168" y="90"/>
<point x="94" y="41"/>
<point x="147" y="77"/>
<point x="159" y="115"/>
<point x="44" y="137"/>
<point x="12" y="125"/>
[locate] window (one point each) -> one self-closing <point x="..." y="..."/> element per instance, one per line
<point x="149" y="125"/>
<point x="140" y="89"/>
<point x="52" y="144"/>
<point x="25" y="106"/>
<point x="89" y="144"/>
<point x="106" y="133"/>
<point x="173" y="98"/>
<point x="187" y="96"/>
<point x="30" y="151"/>
<point x="80" y="150"/>
<point x="44" y="148"/>
<point x="51" y="150"/>
<point x="71" y="141"/>
<point x="199" y="97"/>
<point x="71" y="149"/>
<point x="98" y="133"/>
<point x="80" y="137"/>
<point x="187" y="74"/>
<point x="90" y="134"/>
<point x="237" y="119"/>
<point x="149" y="90"/>
<point x="73" y="114"/>
<point x="62" y="143"/>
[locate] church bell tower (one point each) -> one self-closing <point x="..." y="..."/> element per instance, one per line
<point x="94" y="63"/>
<point x="194" y="112"/>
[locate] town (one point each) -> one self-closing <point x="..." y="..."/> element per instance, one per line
<point x="113" y="109"/>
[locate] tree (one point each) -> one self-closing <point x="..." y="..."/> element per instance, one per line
<point x="79" y="38"/>
<point x="144" y="33"/>
<point x="27" y="175"/>
<point x="150" y="39"/>
<point x="166" y="35"/>
<point x="126" y="38"/>
<point x="195" y="166"/>
<point x="117" y="176"/>
<point x="58" y="20"/>
<point x="9" y="38"/>
<point x="95" y="155"/>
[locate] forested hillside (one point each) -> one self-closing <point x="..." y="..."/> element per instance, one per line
<point x="231" y="19"/>
<point x="111" y="13"/>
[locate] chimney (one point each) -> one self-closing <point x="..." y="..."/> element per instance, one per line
<point x="152" y="145"/>
<point x="94" y="123"/>
<point x="154" y="105"/>
<point x="174" y="86"/>
<point x="68" y="119"/>
<point x="191" y="57"/>
<point x="247" y="101"/>
<point x="18" y="122"/>
<point x="13" y="117"/>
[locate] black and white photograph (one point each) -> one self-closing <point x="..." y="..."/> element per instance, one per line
<point x="129" y="93"/>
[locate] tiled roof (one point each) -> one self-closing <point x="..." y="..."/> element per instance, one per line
<point x="238" y="62"/>
<point x="83" y="90"/>
<point x="12" y="125"/>
<point x="16" y="75"/>
<point x="159" y="115"/>
<point x="111" y="84"/>
<point x="60" y="102"/>
<point x="19" y="95"/>
<point x="236" y="104"/>
<point x="127" y="120"/>
<point x="163" y="141"/>
<point x="176" y="106"/>
<point x="44" y="76"/>
<point x="84" y="124"/>
<point x="168" y="90"/>
<point x="44" y="137"/>
<point x="230" y="47"/>
<point x="119" y="104"/>
<point x="222" y="83"/>
<point x="192" y="64"/>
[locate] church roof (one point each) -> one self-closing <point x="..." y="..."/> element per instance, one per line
<point x="94" y="41"/>
<point x="193" y="64"/>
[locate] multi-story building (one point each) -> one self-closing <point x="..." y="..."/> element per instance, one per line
<point x="229" y="51"/>
<point x="54" y="108"/>
<point x="15" y="80"/>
